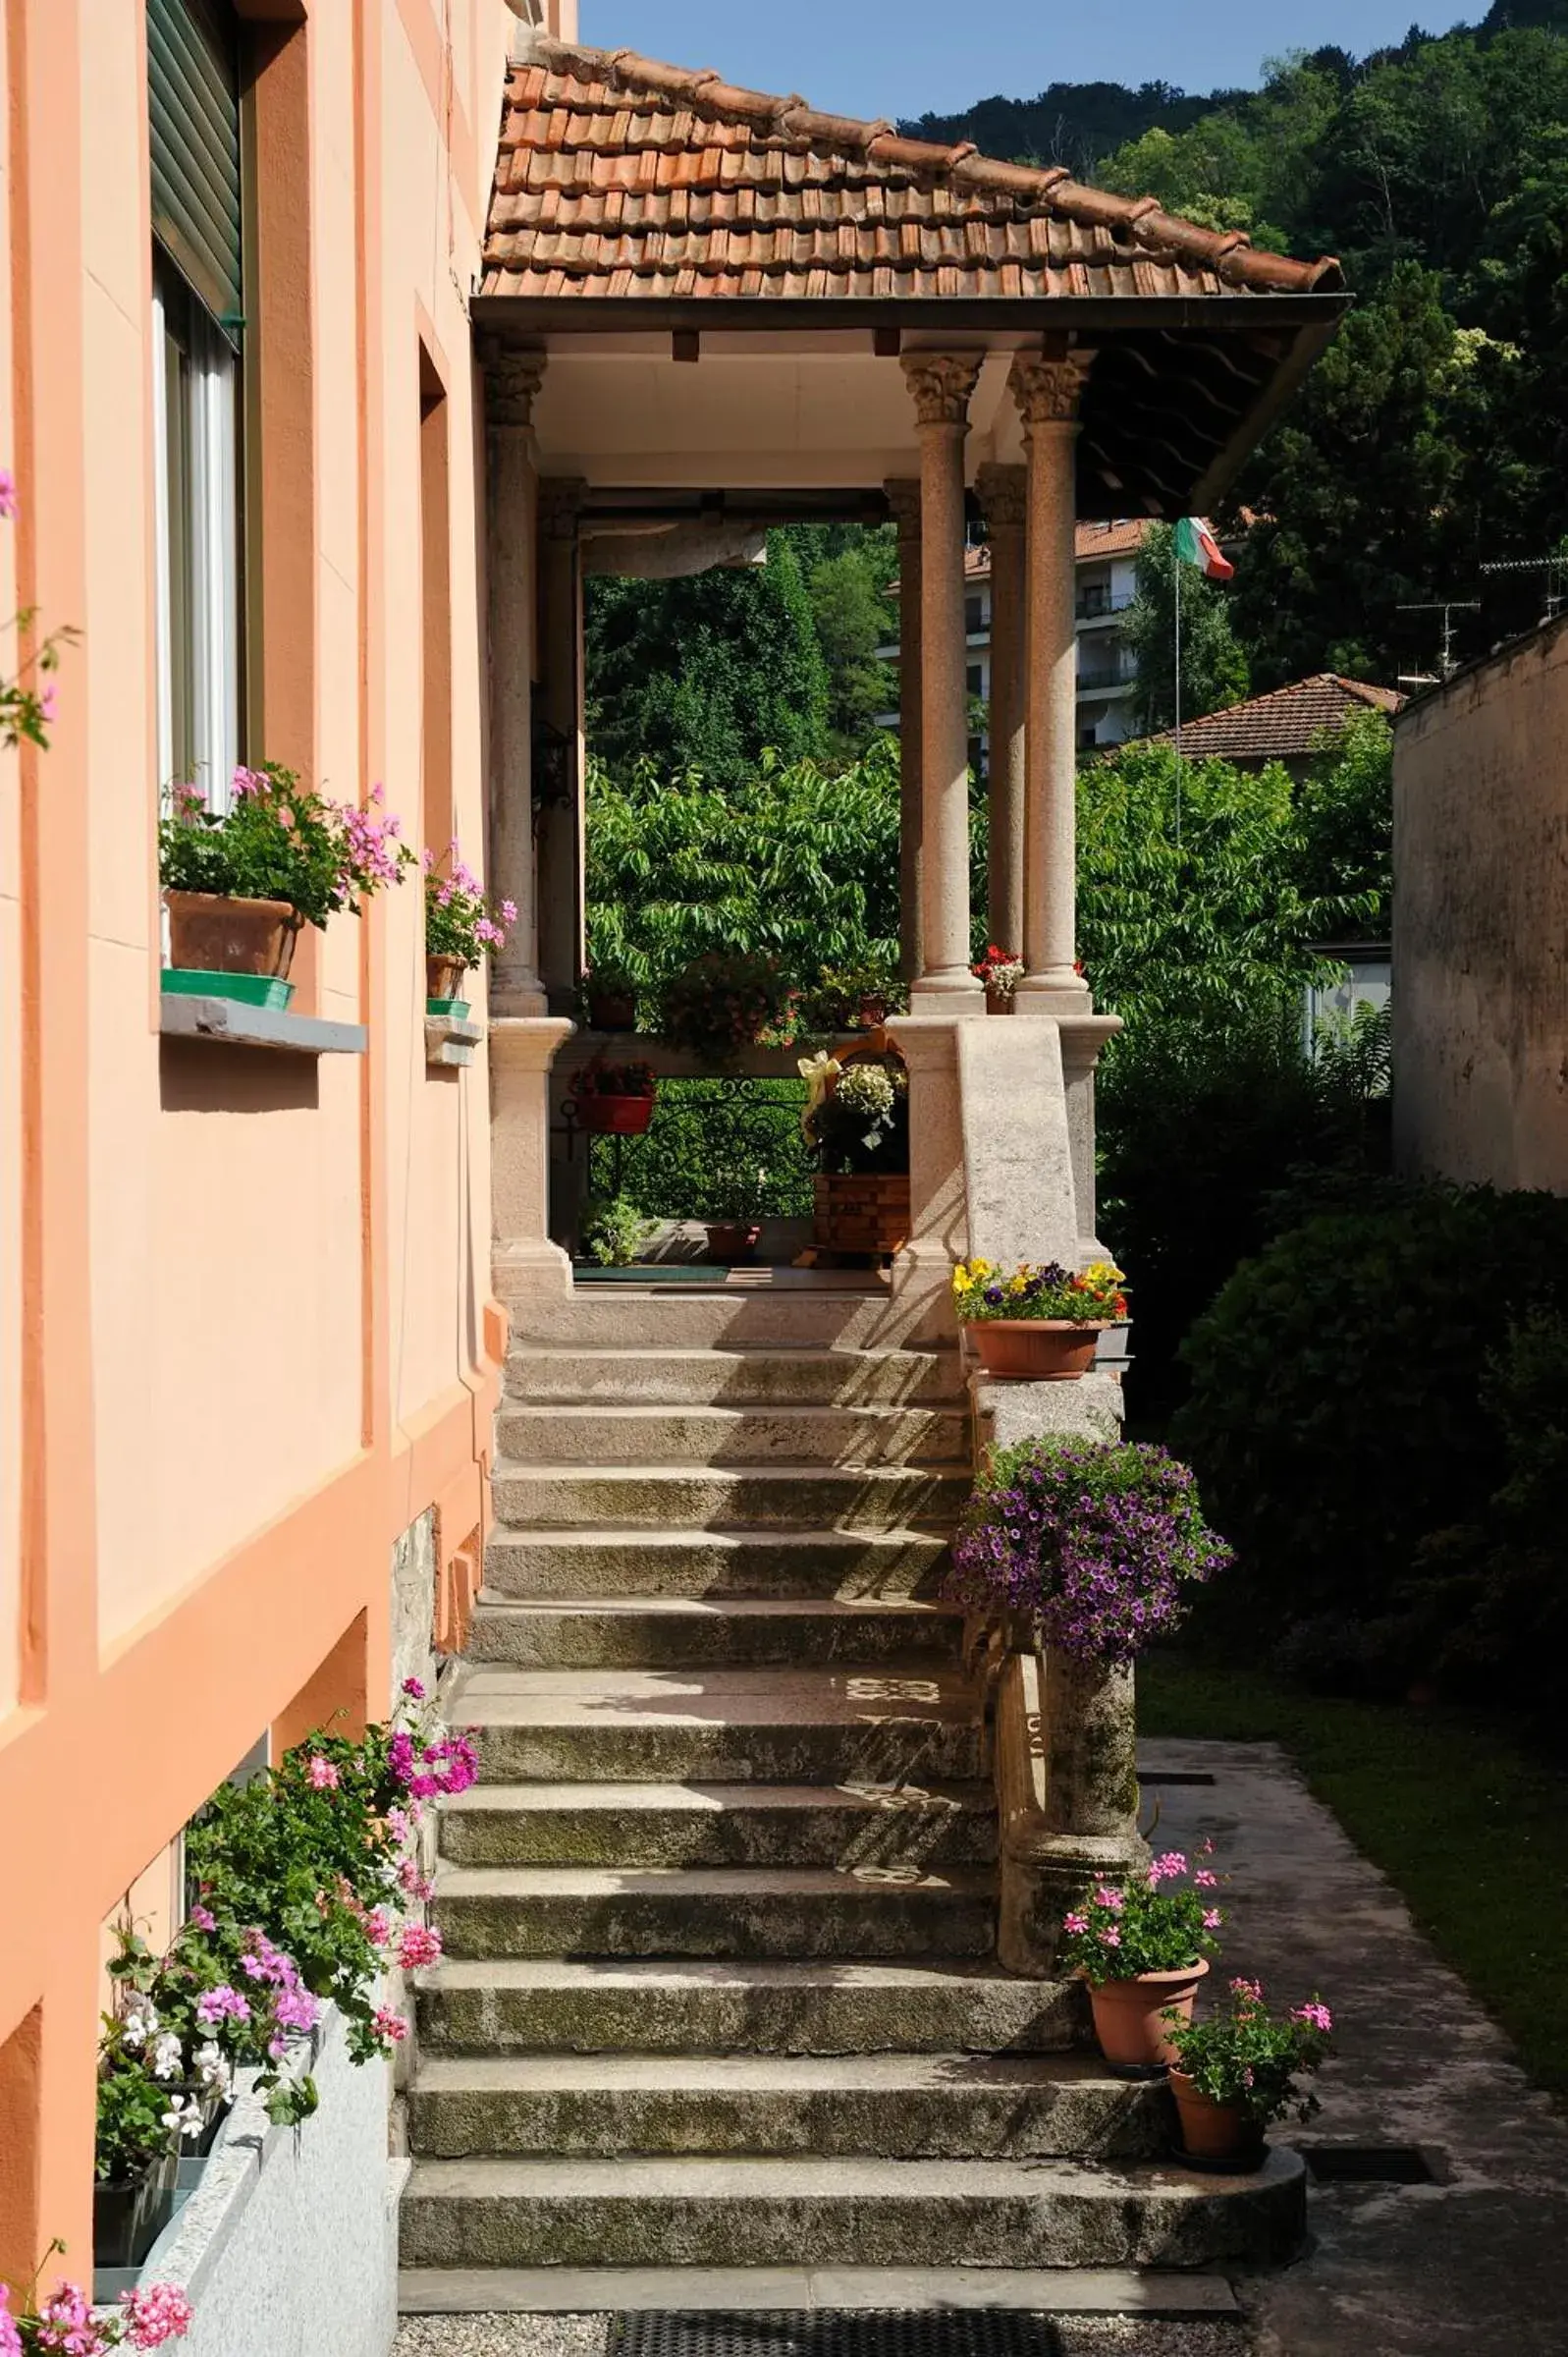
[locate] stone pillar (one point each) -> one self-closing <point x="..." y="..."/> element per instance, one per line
<point x="561" y="816"/>
<point x="1004" y="497"/>
<point x="524" y="1260"/>
<point x="1067" y="1797"/>
<point x="1047" y="391"/>
<point x="941" y="383"/>
<point x="512" y="382"/>
<point x="904" y="498"/>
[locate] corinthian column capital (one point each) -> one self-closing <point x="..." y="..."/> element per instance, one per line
<point x="1003" y="498"/>
<point x="1047" y="391"/>
<point x="512" y="380"/>
<point x="941" y="383"/>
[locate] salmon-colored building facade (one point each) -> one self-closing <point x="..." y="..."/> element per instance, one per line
<point x="247" y="1339"/>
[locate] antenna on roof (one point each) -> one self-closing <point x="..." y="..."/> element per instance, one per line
<point x="1447" y="607"/>
<point x="1555" y="568"/>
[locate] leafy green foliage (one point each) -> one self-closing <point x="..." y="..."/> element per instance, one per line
<point x="1244" y="2055"/>
<point x="706" y="671"/>
<point x="1213" y="665"/>
<point x="281" y="841"/>
<point x="615" y="1231"/>
<point x="1353" y="1424"/>
<point x="795" y="863"/>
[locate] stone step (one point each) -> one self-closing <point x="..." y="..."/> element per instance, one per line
<point x="919" y="2005"/>
<point x="631" y="1496"/>
<point x="635" y="1432"/>
<point x="734" y="1377"/>
<point x="681" y="1632"/>
<point x="713" y="1911"/>
<point x="1067" y="2292"/>
<point x="720" y="1824"/>
<point x="889" y="2106"/>
<point x="625" y="1317"/>
<point x="876" y="1725"/>
<point x="763" y="2212"/>
<point x="849" y="1564"/>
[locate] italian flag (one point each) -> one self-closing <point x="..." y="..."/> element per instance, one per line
<point x="1197" y="545"/>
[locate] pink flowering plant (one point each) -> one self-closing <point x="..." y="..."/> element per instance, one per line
<point x="309" y="1888"/>
<point x="1250" y="2057"/>
<point x="66" y="2320"/>
<point x="280" y="839"/>
<point x="1162" y="1921"/>
<point x="1101" y="1543"/>
<point x="459" y="922"/>
<point x="27" y="700"/>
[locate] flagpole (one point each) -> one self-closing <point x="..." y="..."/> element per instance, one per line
<point x="1175" y="556"/>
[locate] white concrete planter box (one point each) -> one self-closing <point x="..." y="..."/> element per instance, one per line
<point x="289" y="2244"/>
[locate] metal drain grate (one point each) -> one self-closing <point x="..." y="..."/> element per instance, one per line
<point x="1369" y="2164"/>
<point x="837" y="2332"/>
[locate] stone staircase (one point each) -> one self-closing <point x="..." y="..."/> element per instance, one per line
<point x="719" y="1986"/>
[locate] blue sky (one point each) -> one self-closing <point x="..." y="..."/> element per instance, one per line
<point x="901" y="57"/>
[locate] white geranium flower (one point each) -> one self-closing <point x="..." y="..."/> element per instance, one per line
<point x="167" y="2057"/>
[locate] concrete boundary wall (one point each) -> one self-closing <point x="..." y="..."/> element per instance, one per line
<point x="1481" y="922"/>
<point x="288" y="2247"/>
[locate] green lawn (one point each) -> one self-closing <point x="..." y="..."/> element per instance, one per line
<point x="1471" y="1828"/>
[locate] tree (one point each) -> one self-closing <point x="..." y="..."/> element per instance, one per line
<point x="847" y="570"/>
<point x="1353" y="496"/>
<point x="797" y="862"/>
<point x="707" y="671"/>
<point x="1213" y="665"/>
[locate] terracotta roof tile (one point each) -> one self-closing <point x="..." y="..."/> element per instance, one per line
<point x="1285" y="725"/>
<point x="638" y="162"/>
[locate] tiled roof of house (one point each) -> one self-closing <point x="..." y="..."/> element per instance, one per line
<point x="1123" y="538"/>
<point x="618" y="176"/>
<point x="1285" y="724"/>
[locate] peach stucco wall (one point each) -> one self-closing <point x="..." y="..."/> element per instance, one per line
<point x="243" y="1298"/>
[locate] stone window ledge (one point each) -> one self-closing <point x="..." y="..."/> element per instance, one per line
<point x="450" y="1039"/>
<point x="234" y="1025"/>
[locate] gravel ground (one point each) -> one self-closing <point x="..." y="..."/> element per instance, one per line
<point x="586" y="2335"/>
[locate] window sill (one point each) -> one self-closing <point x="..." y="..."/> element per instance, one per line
<point x="450" y="1039"/>
<point x="233" y="1025"/>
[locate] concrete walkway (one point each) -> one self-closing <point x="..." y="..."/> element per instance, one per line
<point x="1476" y="2263"/>
<point x="1473" y="2263"/>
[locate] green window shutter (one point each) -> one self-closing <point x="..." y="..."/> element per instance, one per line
<point x="193" y="103"/>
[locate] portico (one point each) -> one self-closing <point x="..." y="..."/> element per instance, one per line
<point x="909" y="331"/>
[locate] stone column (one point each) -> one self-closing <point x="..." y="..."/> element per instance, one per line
<point x="1004" y="497"/>
<point x="512" y="382"/>
<point x="1047" y="391"/>
<point x="904" y="498"/>
<point x="562" y="913"/>
<point x="941" y="383"/>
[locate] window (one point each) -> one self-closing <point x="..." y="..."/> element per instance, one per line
<point x="974" y="615"/>
<point x="193" y="101"/>
<point x="975" y="678"/>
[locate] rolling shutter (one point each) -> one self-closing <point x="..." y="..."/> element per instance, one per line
<point x="193" y="105"/>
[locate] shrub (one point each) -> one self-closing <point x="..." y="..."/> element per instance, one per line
<point x="1099" y="1541"/>
<point x="1345" y="1412"/>
<point x="725" y="1002"/>
<point x="615" y="1231"/>
<point x="704" y="1128"/>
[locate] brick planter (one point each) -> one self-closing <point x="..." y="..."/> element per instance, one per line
<point x="865" y="1211"/>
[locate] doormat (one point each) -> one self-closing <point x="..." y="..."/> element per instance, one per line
<point x="837" y="2332"/>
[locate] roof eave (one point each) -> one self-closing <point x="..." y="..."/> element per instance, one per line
<point x="525" y="318"/>
<point x="1312" y="338"/>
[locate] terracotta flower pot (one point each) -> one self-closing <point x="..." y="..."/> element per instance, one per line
<point x="1127" y="2014"/>
<point x="615" y="1116"/>
<point x="1212" y="2131"/>
<point x="216" y="935"/>
<point x="998" y="1002"/>
<point x="733" y="1241"/>
<point x="444" y="977"/>
<point x="1036" y="1349"/>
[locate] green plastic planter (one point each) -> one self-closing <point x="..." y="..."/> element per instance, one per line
<point x="252" y="990"/>
<point x="455" y="1007"/>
